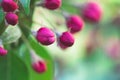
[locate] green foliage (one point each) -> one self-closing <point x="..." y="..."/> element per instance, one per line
<point x="26" y="5"/>
<point x="13" y="68"/>
<point x="2" y="28"/>
<point x="41" y="51"/>
<point x="17" y="64"/>
<point x="1" y="16"/>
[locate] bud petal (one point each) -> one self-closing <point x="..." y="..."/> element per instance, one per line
<point x="39" y="66"/>
<point x="74" y="23"/>
<point x="52" y="4"/>
<point x="11" y="18"/>
<point x="9" y="5"/>
<point x="45" y="36"/>
<point x="2" y="51"/>
<point x="92" y="12"/>
<point x="66" y="39"/>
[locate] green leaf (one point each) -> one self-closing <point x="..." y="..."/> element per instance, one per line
<point x="38" y="48"/>
<point x="2" y="25"/>
<point x="1" y="16"/>
<point x="41" y="51"/>
<point x="26" y="5"/>
<point x="13" y="68"/>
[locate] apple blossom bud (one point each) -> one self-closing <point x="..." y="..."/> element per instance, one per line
<point x="74" y="23"/>
<point x="52" y="4"/>
<point x="9" y="5"/>
<point x="38" y="64"/>
<point x="3" y="52"/>
<point x="92" y="12"/>
<point x="66" y="39"/>
<point x="11" y="18"/>
<point x="45" y="36"/>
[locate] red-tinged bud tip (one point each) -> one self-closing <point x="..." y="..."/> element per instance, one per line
<point x="45" y="36"/>
<point x="3" y="52"/>
<point x="9" y="5"/>
<point x="39" y="66"/>
<point x="11" y="18"/>
<point x="74" y="23"/>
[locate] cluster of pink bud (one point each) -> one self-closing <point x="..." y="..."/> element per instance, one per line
<point x="9" y="6"/>
<point x="46" y="37"/>
<point x="74" y="24"/>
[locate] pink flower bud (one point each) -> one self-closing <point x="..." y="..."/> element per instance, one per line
<point x="92" y="12"/>
<point x="39" y="66"/>
<point x="9" y="5"/>
<point x="11" y="18"/>
<point x="52" y="4"/>
<point x="2" y="51"/>
<point x="74" y="23"/>
<point x="66" y="40"/>
<point x="45" y="36"/>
